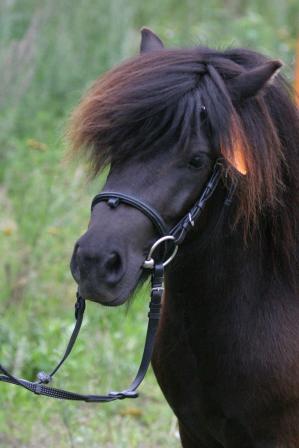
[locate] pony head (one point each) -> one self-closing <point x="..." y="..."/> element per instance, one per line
<point x="160" y="121"/>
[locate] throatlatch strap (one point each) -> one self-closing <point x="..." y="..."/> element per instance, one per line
<point x="39" y="387"/>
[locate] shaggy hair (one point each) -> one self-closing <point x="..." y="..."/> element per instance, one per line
<point x="154" y="99"/>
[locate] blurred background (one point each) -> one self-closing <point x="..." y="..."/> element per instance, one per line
<point x="50" y="52"/>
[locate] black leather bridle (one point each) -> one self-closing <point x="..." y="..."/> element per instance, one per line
<point x="173" y="237"/>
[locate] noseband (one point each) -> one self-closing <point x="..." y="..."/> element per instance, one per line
<point x="169" y="241"/>
<point x="177" y="233"/>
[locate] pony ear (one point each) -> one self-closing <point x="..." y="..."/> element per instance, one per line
<point x="149" y="41"/>
<point x="247" y="85"/>
<point x="251" y="82"/>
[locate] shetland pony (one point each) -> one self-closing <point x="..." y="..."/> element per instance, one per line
<point x="227" y="352"/>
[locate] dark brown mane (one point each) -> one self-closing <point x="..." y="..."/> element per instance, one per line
<point x="154" y="99"/>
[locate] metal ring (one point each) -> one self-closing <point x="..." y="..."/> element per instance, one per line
<point x="149" y="262"/>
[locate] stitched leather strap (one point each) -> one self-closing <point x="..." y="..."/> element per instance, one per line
<point x="114" y="198"/>
<point x="180" y="230"/>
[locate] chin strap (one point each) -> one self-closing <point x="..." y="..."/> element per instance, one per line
<point x="40" y="387"/>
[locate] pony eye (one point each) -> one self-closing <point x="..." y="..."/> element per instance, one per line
<point x="195" y="162"/>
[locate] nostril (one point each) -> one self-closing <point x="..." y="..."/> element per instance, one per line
<point x="113" y="268"/>
<point x="113" y="263"/>
<point x="87" y="256"/>
<point x="91" y="262"/>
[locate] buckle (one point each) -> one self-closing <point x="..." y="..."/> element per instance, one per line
<point x="79" y="305"/>
<point x="123" y="394"/>
<point x="44" y="378"/>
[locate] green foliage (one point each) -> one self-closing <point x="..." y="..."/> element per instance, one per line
<point x="50" y="52"/>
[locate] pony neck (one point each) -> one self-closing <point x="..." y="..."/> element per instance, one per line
<point x="216" y="254"/>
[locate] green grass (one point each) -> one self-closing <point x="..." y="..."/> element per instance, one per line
<point x="49" y="54"/>
<point x="46" y="207"/>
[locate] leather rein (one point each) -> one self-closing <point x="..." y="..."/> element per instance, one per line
<point x="169" y="241"/>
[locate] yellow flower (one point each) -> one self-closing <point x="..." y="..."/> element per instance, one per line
<point x="8" y="227"/>
<point x="8" y="230"/>
<point x="31" y="143"/>
<point x="132" y="412"/>
<point x="54" y="231"/>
